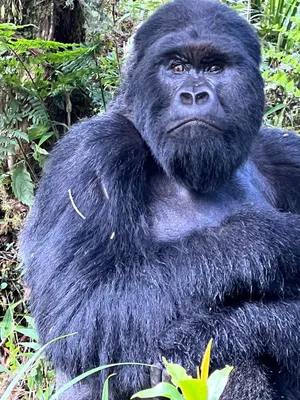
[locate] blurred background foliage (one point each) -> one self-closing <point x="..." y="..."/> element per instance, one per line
<point x="60" y="62"/>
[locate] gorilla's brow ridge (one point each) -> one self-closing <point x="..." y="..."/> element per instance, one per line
<point x="197" y="54"/>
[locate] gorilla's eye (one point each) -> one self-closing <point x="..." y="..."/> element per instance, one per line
<point x="178" y="68"/>
<point x="214" y="68"/>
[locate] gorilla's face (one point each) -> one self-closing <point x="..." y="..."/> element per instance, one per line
<point x="198" y="102"/>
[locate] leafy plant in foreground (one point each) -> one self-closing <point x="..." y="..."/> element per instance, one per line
<point x="184" y="387"/>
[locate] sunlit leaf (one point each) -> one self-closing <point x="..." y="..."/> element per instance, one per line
<point x="217" y="381"/>
<point x="176" y="372"/>
<point x="205" y="362"/>
<point x="162" y="389"/>
<point x="194" y="389"/>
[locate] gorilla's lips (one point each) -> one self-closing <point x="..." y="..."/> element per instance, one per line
<point x="195" y="122"/>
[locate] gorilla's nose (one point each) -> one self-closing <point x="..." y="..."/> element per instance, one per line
<point x="190" y="98"/>
<point x="198" y="99"/>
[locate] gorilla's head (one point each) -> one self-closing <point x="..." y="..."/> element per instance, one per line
<point x="195" y="91"/>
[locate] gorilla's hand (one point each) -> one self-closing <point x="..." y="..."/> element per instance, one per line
<point x="158" y="374"/>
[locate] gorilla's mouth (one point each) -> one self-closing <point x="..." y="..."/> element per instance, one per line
<point x="195" y="122"/>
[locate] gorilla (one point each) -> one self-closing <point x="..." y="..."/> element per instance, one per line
<point x="172" y="218"/>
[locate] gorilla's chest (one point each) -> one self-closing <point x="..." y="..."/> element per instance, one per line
<point x="177" y="212"/>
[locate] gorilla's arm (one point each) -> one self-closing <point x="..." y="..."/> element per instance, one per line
<point x="83" y="272"/>
<point x="277" y="156"/>
<point x="250" y="331"/>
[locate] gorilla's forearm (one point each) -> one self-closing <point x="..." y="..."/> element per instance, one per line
<point x="246" y="332"/>
<point x="250" y="256"/>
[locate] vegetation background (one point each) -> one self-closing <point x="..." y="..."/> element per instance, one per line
<point x="60" y="62"/>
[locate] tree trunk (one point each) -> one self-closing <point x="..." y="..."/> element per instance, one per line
<point x="53" y="20"/>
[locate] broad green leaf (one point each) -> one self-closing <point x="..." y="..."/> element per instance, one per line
<point x="45" y="137"/>
<point x="162" y="389"/>
<point x="105" y="394"/>
<point x="194" y="389"/>
<point x="176" y="372"/>
<point x="7" y="324"/>
<point x="217" y="381"/>
<point x="22" y="185"/>
<point x="29" y="332"/>
<point x="205" y="362"/>
<point x="37" y="131"/>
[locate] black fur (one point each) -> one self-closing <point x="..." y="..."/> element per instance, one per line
<point x="186" y="233"/>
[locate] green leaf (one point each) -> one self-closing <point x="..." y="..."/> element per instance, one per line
<point x="205" y="362"/>
<point x="18" y="133"/>
<point x="217" y="381"/>
<point x="22" y="185"/>
<point x="37" y="131"/>
<point x="176" y="372"/>
<point x="162" y="389"/>
<point x="194" y="389"/>
<point x="29" y="332"/>
<point x="274" y="109"/>
<point x="105" y="388"/>
<point x="7" y="324"/>
<point x="45" y="137"/>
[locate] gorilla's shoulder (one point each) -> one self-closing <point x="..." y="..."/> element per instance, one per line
<point x="106" y="125"/>
<point x="104" y="136"/>
<point x="276" y="153"/>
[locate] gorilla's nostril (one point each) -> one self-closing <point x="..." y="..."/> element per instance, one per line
<point x="186" y="98"/>
<point x="201" y="97"/>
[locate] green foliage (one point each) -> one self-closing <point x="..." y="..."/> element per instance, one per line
<point x="184" y="387"/>
<point x="278" y="24"/>
<point x="18" y="338"/>
<point x="22" y="185"/>
<point x="276" y="19"/>
<point x="281" y="71"/>
<point x="105" y="394"/>
<point x="34" y="368"/>
<point x="38" y="78"/>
